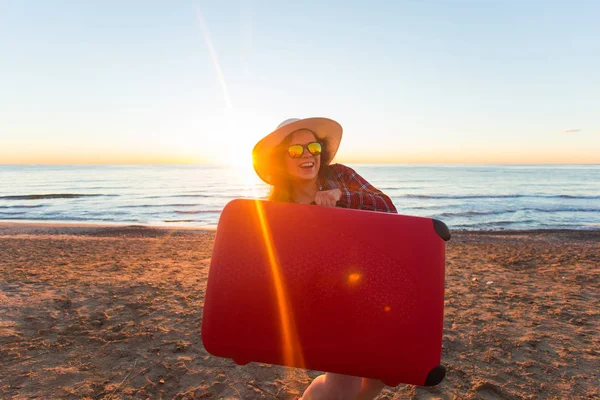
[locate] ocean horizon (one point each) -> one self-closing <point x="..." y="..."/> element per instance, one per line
<point x="464" y="196"/>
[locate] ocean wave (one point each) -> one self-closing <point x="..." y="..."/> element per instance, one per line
<point x="509" y="222"/>
<point x="198" y="211"/>
<point x="103" y="213"/>
<point x="486" y="227"/>
<point x="64" y="218"/>
<point x="592" y="226"/>
<point x="179" y="220"/>
<point x="203" y="196"/>
<point x="384" y="188"/>
<point x="497" y="196"/>
<point x="52" y="196"/>
<point x="568" y="196"/>
<point x="195" y="195"/>
<point x="157" y="205"/>
<point x="96" y="188"/>
<point x="178" y="195"/>
<point x="428" y="207"/>
<point x="471" y="213"/>
<point x="566" y="209"/>
<point x="24" y="206"/>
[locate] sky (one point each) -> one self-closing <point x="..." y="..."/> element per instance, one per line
<point x="411" y="81"/>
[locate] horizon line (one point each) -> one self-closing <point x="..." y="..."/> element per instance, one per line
<point x="347" y="162"/>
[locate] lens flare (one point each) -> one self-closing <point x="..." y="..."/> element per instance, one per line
<point x="353" y="279"/>
<point x="214" y="58"/>
<point x="292" y="350"/>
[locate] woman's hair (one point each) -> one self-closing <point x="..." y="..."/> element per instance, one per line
<point x="281" y="189"/>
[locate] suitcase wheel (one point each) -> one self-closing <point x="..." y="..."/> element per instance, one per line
<point x="435" y="376"/>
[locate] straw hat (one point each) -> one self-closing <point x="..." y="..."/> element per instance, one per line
<point x="324" y="128"/>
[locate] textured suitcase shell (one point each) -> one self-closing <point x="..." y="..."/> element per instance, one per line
<point x="348" y="291"/>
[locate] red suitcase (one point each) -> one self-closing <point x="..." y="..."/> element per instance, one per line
<point x="330" y="289"/>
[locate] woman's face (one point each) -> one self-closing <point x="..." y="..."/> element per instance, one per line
<point x="306" y="167"/>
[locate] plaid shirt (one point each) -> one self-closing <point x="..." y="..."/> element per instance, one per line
<point x="357" y="193"/>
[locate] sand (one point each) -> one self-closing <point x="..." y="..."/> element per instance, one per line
<point x="115" y="312"/>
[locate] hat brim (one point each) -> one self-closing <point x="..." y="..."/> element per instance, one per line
<point x="324" y="128"/>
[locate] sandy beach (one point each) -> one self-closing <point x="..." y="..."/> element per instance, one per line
<point x="115" y="312"/>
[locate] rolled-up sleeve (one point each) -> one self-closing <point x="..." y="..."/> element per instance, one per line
<point x="359" y="194"/>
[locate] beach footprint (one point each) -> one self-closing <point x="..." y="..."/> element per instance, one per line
<point x="489" y="391"/>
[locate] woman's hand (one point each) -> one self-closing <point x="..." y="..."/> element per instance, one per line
<point x="328" y="198"/>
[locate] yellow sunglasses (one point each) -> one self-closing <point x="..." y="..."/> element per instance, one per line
<point x="296" y="150"/>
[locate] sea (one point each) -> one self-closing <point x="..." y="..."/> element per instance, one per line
<point x="466" y="197"/>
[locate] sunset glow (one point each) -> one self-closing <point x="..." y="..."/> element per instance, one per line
<point x="200" y="83"/>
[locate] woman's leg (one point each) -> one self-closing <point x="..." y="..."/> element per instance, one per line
<point x="333" y="387"/>
<point x="370" y="389"/>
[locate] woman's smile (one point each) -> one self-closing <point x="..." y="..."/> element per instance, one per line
<point x="305" y="167"/>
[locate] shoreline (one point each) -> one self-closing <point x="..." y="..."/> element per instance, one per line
<point x="7" y="224"/>
<point x="84" y="225"/>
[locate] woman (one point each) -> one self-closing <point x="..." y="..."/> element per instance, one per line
<point x="295" y="160"/>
